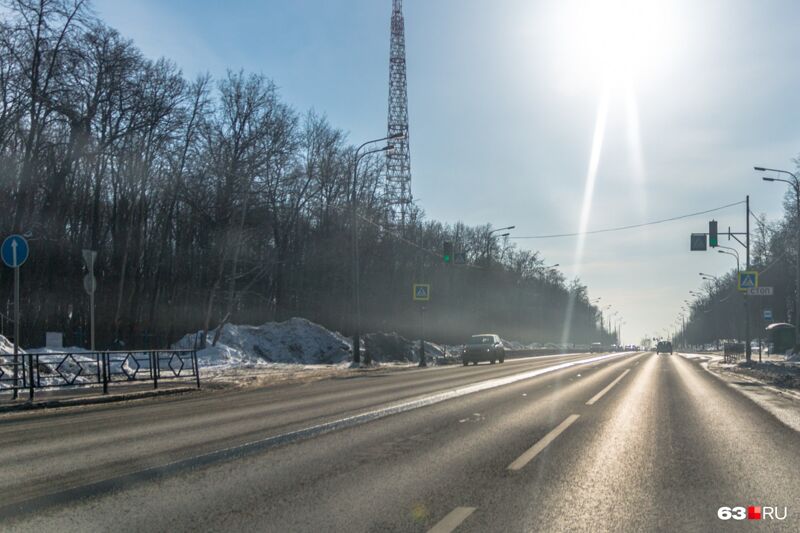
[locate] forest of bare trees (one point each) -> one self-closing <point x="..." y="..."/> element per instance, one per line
<point x="213" y="201"/>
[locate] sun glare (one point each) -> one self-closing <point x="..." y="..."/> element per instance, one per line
<point x="617" y="40"/>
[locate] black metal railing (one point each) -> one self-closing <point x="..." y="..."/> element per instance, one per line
<point x="81" y="369"/>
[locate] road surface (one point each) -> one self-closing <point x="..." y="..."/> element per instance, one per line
<point x="629" y="442"/>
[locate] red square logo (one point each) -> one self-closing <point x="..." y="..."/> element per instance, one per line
<point x="754" y="512"/>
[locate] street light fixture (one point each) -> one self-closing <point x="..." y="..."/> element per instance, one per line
<point x="489" y="241"/>
<point x="736" y="255"/>
<point x="357" y="157"/>
<point x="794" y="184"/>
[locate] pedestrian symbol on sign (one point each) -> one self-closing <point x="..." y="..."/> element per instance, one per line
<point x="748" y="280"/>
<point x="422" y="292"/>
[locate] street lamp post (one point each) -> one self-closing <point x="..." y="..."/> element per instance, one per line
<point x="489" y="242"/>
<point x="735" y="254"/>
<point x="358" y="156"/>
<point x="795" y="184"/>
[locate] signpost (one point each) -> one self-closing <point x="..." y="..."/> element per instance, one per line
<point x="767" y="315"/>
<point x="422" y="292"/>
<point x="90" y="286"/>
<point x="14" y="252"/>
<point x="760" y="291"/>
<point x="748" y="279"/>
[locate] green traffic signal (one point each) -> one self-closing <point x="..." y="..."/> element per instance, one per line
<point x="713" y="236"/>
<point x="447" y="251"/>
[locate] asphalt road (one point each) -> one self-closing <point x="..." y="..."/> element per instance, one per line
<point x="633" y="442"/>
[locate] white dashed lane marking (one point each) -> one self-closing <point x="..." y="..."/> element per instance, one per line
<point x="534" y="450"/>
<point x="602" y="392"/>
<point x="452" y="520"/>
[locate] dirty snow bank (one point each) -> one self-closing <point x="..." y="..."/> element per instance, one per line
<point x="393" y="347"/>
<point x="296" y="340"/>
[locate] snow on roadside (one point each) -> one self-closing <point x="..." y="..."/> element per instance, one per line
<point x="295" y="341"/>
<point x="781" y="403"/>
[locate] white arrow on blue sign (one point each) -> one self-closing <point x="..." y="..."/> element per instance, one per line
<point x="14" y="251"/>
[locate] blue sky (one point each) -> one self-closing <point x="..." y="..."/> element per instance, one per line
<point x="503" y="102"/>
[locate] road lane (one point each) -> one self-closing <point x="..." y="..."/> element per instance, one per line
<point x="413" y="454"/>
<point x="663" y="451"/>
<point x="101" y="443"/>
<point x="665" y="446"/>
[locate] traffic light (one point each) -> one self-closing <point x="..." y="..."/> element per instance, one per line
<point x="713" y="237"/>
<point x="447" y="254"/>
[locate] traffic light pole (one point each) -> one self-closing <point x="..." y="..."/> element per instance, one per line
<point x="713" y="238"/>
<point x="748" y="348"/>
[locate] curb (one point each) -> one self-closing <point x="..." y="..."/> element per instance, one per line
<point x="92" y="400"/>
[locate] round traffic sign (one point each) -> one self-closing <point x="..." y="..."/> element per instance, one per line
<point x="14" y="251"/>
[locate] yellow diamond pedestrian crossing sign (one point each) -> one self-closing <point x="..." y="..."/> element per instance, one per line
<point x="422" y="292"/>
<point x="748" y="280"/>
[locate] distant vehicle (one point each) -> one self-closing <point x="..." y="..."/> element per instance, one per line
<point x="485" y="347"/>
<point x="596" y="347"/>
<point x="664" y="347"/>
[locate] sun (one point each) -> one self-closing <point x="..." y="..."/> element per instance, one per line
<point x="617" y="41"/>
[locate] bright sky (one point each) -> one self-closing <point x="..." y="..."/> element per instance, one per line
<point x="516" y="105"/>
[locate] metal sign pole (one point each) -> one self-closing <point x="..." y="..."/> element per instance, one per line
<point x="16" y="325"/>
<point x="14" y="252"/>
<point x="91" y="316"/>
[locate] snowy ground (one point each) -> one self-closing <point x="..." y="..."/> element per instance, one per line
<point x="296" y="350"/>
<point x="764" y="383"/>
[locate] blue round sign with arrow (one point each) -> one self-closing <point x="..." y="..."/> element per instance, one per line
<point x="14" y="251"/>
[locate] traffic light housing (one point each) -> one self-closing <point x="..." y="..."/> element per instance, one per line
<point x="447" y="253"/>
<point x="713" y="236"/>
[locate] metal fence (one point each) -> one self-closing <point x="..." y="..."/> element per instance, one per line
<point x="81" y="369"/>
<point x="732" y="351"/>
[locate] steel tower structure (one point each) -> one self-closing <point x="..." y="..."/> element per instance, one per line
<point x="398" y="159"/>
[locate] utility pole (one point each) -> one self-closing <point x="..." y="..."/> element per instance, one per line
<point x="748" y="348"/>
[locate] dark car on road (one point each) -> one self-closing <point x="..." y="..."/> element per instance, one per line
<point x="664" y="347"/>
<point x="485" y="347"/>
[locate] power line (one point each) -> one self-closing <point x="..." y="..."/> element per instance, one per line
<point x="633" y="226"/>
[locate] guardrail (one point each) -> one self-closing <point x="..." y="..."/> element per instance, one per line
<point x="82" y="369"/>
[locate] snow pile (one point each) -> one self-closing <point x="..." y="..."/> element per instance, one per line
<point x="296" y="340"/>
<point x="792" y="356"/>
<point x="7" y="347"/>
<point x="53" y="368"/>
<point x="513" y="345"/>
<point x="394" y="348"/>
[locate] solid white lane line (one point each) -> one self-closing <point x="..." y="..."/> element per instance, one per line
<point x="534" y="450"/>
<point x="452" y="520"/>
<point x="602" y="392"/>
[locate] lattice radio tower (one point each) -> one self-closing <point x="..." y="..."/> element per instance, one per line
<point x="398" y="159"/>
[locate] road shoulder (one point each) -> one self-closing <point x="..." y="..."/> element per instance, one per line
<point x="783" y="403"/>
